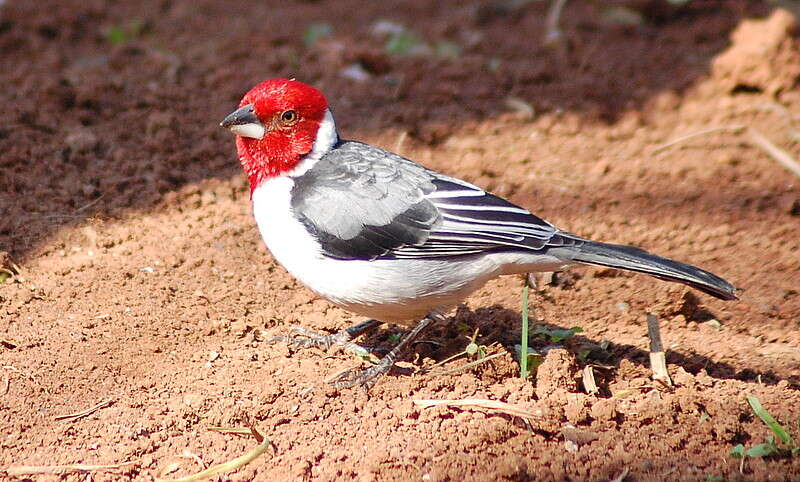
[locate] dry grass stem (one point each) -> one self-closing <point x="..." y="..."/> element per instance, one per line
<point x="84" y="413"/>
<point x="233" y="430"/>
<point x="401" y="140"/>
<point x="776" y="153"/>
<point x="191" y="455"/>
<point x="229" y="466"/>
<point x="25" y="375"/>
<point x="465" y="366"/>
<point x="667" y="145"/>
<point x="61" y="469"/>
<point x="481" y="403"/>
<point x="552" y="32"/>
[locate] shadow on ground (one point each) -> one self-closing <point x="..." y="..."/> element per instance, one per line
<point x="497" y="324"/>
<point x="110" y="109"/>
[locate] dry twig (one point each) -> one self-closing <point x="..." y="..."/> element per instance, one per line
<point x="756" y="138"/>
<point x="233" y="430"/>
<point x="229" y="466"/>
<point x="658" y="360"/>
<point x="589" y="383"/>
<point x="25" y="375"/>
<point x="481" y="403"/>
<point x="667" y="145"/>
<point x="466" y="365"/>
<point x="61" y="469"/>
<point x="84" y="413"/>
<point x="776" y="153"/>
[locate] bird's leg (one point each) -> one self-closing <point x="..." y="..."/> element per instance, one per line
<point x="308" y="338"/>
<point x="367" y="377"/>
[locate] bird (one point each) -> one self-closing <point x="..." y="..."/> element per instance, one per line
<point x="386" y="238"/>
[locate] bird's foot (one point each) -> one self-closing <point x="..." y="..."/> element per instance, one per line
<point x="365" y="378"/>
<point x="307" y="338"/>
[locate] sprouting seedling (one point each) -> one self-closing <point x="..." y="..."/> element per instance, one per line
<point x="315" y="32"/>
<point x="769" y="448"/>
<point x="529" y="359"/>
<point x="473" y="349"/>
<point x="523" y="345"/>
<point x="403" y="43"/>
<point x="116" y="35"/>
<point x="122" y="34"/>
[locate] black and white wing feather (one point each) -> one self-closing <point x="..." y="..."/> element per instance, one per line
<point x="474" y="221"/>
<point x="362" y="202"/>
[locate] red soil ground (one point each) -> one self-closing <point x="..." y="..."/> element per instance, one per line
<point x="143" y="280"/>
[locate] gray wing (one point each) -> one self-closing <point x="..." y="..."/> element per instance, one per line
<point x="361" y="202"/>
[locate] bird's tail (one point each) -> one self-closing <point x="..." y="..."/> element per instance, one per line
<point x="638" y="260"/>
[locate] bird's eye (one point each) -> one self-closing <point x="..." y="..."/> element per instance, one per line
<point x="288" y="116"/>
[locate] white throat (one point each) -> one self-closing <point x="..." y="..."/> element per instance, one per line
<point x="327" y="137"/>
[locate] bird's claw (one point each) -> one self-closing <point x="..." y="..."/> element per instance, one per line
<point x="365" y="378"/>
<point x="307" y="338"/>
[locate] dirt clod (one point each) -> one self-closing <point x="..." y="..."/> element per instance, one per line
<point x="557" y="373"/>
<point x="764" y="56"/>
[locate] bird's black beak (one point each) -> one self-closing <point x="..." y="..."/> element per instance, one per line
<point x="244" y="122"/>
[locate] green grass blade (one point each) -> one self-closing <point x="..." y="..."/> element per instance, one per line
<point x="764" y="415"/>
<point x="523" y="357"/>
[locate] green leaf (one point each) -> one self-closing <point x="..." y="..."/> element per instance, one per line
<point x="316" y="31"/>
<point x="762" y="450"/>
<point x="448" y="50"/>
<point x="533" y="360"/>
<point x="402" y="43"/>
<point x="765" y="416"/>
<point x="116" y="36"/>
<point x="738" y="451"/>
<point x="704" y="416"/>
<point x="559" y="335"/>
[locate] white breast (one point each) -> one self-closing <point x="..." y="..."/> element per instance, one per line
<point x="389" y="290"/>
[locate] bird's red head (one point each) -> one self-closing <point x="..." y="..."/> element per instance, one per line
<point x="276" y="125"/>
